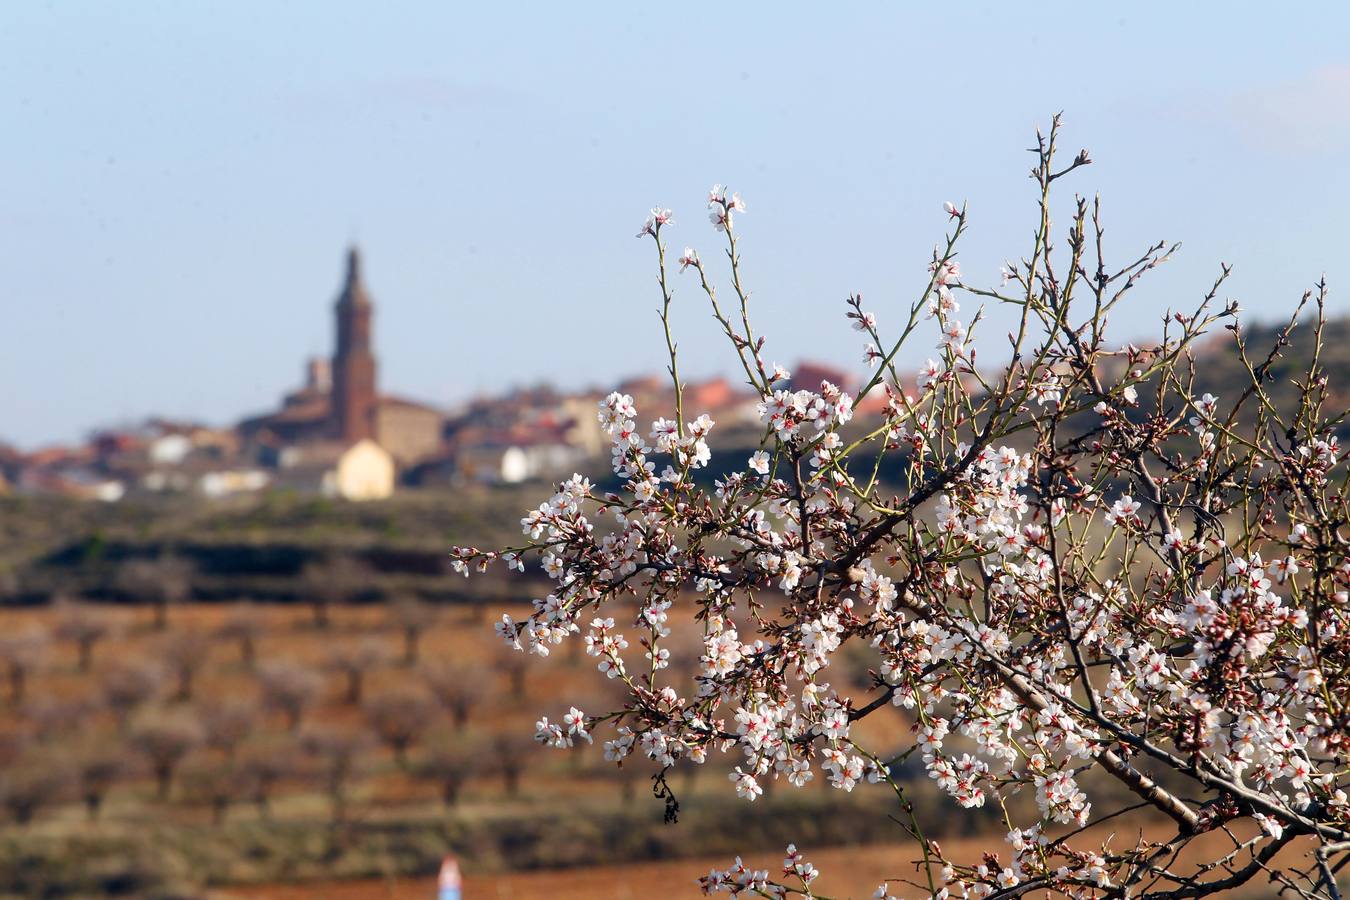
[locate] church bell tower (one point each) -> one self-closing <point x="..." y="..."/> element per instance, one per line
<point x="354" y="395"/>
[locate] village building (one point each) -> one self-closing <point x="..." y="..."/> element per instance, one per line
<point x="339" y="409"/>
<point x="514" y="458"/>
<point x="360" y="471"/>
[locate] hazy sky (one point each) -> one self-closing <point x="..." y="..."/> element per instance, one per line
<point x="180" y="179"/>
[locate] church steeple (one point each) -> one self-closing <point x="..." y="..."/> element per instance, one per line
<point x="354" y="393"/>
<point x="354" y="290"/>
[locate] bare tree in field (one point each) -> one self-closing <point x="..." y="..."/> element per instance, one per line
<point x="95" y="771"/>
<point x="128" y="684"/>
<point x="480" y="605"/>
<point x="337" y="752"/>
<point x="515" y="667"/>
<point x="264" y="768"/>
<point x="243" y="626"/>
<point x="334" y="580"/>
<point x="27" y="788"/>
<point x="21" y="654"/>
<point x="289" y="688"/>
<point x="412" y="616"/>
<point x="458" y="688"/>
<point x="164" y="580"/>
<point x="400" y="716"/>
<point x="352" y="660"/>
<point x="226" y="723"/>
<point x="164" y="741"/>
<point x="83" y="625"/>
<point x="512" y="751"/>
<point x="14" y="743"/>
<point x="52" y="715"/>
<point x="216" y="786"/>
<point x="630" y="777"/>
<point x="450" y="765"/>
<point x="184" y="652"/>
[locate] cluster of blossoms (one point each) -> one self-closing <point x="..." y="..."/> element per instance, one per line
<point x="786" y="412"/>
<point x="563" y="735"/>
<point x="721" y="207"/>
<point x="1068" y="573"/>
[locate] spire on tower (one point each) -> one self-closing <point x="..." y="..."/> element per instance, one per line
<point x="354" y="290"/>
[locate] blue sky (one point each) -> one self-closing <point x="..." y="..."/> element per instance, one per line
<point x="180" y="179"/>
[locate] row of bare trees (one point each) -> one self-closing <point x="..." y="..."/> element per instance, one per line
<point x="85" y="626"/>
<point x="166" y="580"/>
<point x="217" y="751"/>
<point x="285" y="688"/>
<point x="175" y="752"/>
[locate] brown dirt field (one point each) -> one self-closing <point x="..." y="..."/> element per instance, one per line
<point x="846" y="872"/>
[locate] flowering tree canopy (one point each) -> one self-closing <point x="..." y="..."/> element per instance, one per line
<point x="1069" y="568"/>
